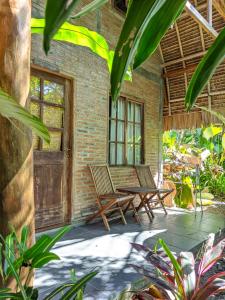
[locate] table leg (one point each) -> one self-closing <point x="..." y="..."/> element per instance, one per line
<point x="143" y="204"/>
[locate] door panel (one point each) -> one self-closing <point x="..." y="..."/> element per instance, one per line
<point x="49" y="100"/>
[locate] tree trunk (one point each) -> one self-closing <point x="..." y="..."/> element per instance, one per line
<point x="16" y="155"/>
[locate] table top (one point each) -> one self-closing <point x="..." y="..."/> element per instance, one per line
<point x="140" y="190"/>
<point x="136" y="189"/>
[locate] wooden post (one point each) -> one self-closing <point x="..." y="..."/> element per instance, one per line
<point x="16" y="158"/>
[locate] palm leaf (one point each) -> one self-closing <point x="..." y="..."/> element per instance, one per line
<point x="206" y="68"/>
<point x="94" y="5"/>
<point x="10" y="109"/>
<point x="137" y="28"/>
<point x="56" y="13"/>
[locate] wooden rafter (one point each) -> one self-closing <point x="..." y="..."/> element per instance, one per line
<point x="209" y="11"/>
<point x="166" y="82"/>
<point x="220" y="7"/>
<point x="182" y="54"/>
<point x="193" y="12"/>
<point x="188" y="57"/>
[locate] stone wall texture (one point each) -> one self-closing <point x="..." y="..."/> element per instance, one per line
<point x="91" y="102"/>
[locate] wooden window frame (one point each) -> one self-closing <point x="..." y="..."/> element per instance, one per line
<point x="126" y="99"/>
<point x="44" y="75"/>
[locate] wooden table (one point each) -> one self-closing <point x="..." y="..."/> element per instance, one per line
<point x="143" y="192"/>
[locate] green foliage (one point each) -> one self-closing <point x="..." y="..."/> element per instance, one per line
<point x="80" y="36"/>
<point x="179" y="277"/>
<point x="207" y="66"/>
<point x="94" y="5"/>
<point x="11" y="110"/>
<point x="205" y="143"/>
<point x="144" y="26"/>
<point x="56" y="13"/>
<point x="15" y="256"/>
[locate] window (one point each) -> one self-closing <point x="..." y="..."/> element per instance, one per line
<point x="121" y="5"/>
<point x="47" y="103"/>
<point x="125" y="132"/>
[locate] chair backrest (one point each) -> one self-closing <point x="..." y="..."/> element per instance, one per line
<point x="145" y="177"/>
<point x="102" y="179"/>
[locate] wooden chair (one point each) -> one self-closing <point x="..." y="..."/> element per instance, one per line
<point x="157" y="195"/>
<point x="109" y="201"/>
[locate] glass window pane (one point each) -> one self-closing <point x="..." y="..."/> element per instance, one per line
<point x="130" y="154"/>
<point x="113" y="110"/>
<point x="130" y="111"/>
<point x="137" y="113"/>
<point x="120" y="154"/>
<point x="35" y="109"/>
<point x="137" y="154"/>
<point x="53" y="116"/>
<point x="112" y="136"/>
<point x="130" y="133"/>
<point x="121" y="109"/>
<point x="35" y="86"/>
<point x="120" y="131"/>
<point x="55" y="142"/>
<point x="112" y="154"/>
<point x="53" y="92"/>
<point x="137" y="133"/>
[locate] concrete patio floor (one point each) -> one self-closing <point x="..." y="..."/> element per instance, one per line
<point x="91" y="246"/>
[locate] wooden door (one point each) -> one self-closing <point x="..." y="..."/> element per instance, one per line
<point x="50" y="99"/>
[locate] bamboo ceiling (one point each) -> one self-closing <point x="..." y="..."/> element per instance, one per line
<point x="181" y="49"/>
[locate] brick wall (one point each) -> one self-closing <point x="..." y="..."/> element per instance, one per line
<point x="91" y="96"/>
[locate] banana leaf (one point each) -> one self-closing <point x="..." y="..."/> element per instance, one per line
<point x="94" y="5"/>
<point x="206" y="68"/>
<point x="80" y="36"/>
<point x="56" y="13"/>
<point x="157" y="28"/>
<point x="11" y="110"/>
<point x="140" y="24"/>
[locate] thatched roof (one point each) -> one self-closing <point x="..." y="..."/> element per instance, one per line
<point x="182" y="48"/>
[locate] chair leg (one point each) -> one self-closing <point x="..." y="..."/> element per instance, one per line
<point x="122" y="216"/>
<point x="136" y="215"/>
<point x="105" y="221"/>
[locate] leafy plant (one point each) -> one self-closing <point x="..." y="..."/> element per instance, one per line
<point x="80" y="36"/>
<point x="11" y="110"/>
<point x="57" y="12"/>
<point x="207" y="66"/>
<point x="181" y="278"/>
<point x="145" y="25"/>
<point x="15" y="257"/>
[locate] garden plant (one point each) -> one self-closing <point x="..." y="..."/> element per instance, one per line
<point x="16" y="256"/>
<point x="182" y="277"/>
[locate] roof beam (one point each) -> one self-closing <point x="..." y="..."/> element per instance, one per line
<point x="192" y="11"/>
<point x="179" y="60"/>
<point x="220" y="7"/>
<point x="209" y="12"/>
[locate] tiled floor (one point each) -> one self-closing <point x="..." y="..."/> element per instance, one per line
<point x="90" y="246"/>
